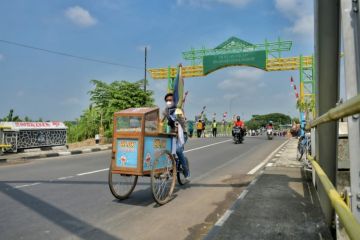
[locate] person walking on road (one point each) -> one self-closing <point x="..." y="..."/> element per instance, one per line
<point x="203" y="128"/>
<point x="214" y="128"/>
<point x="190" y="128"/>
<point x="199" y="128"/>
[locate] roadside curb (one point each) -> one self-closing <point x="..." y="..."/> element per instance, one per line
<point x="219" y="223"/>
<point x="63" y="153"/>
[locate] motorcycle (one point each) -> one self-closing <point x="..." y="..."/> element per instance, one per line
<point x="269" y="133"/>
<point x="238" y="135"/>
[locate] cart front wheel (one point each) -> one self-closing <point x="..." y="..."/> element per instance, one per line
<point x="121" y="185"/>
<point x="163" y="177"/>
<point x="180" y="173"/>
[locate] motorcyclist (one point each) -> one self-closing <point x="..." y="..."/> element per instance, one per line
<point x="270" y="125"/>
<point x="239" y="123"/>
<point x="173" y="120"/>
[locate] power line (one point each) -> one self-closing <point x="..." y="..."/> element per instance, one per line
<point x="67" y="54"/>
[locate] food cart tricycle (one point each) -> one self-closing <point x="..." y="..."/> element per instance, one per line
<point x="141" y="149"/>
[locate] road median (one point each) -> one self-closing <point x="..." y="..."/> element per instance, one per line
<point x="27" y="156"/>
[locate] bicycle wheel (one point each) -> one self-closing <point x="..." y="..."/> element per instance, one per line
<point x="299" y="152"/>
<point x="163" y="174"/>
<point x="121" y="185"/>
<point x="180" y="173"/>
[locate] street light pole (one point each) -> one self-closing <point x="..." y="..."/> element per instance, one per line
<point x="145" y="69"/>
<point x="230" y="104"/>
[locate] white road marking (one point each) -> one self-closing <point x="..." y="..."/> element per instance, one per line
<point x="253" y="182"/>
<point x="214" y="170"/>
<point x="96" y="171"/>
<point x="63" y="178"/>
<point x="243" y="194"/>
<point x="223" y="218"/>
<point x="255" y="169"/>
<point x="193" y="149"/>
<point x="27" y="185"/>
<point x="311" y="198"/>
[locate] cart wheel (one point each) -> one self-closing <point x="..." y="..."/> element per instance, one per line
<point x="121" y="185"/>
<point x="180" y="173"/>
<point x="163" y="177"/>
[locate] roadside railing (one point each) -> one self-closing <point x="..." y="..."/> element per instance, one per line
<point x="348" y="108"/>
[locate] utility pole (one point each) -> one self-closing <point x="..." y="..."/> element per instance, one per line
<point x="145" y="69"/>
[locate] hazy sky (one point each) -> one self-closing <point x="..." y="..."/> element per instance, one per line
<point x="53" y="87"/>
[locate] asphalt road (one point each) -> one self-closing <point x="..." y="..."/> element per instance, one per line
<point x="68" y="197"/>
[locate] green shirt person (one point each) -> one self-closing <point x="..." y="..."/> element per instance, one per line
<point x="214" y="128"/>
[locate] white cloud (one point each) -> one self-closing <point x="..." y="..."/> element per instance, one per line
<point x="80" y="16"/>
<point x="303" y="26"/>
<point x="242" y="78"/>
<point x="141" y="48"/>
<point x="208" y="3"/>
<point x="207" y="100"/>
<point x="300" y="14"/>
<point x="20" y="93"/>
<point x="236" y="3"/>
<point x="262" y="84"/>
<point x="160" y="85"/>
<point x="71" y="101"/>
<point x="1" y="57"/>
<point x="247" y="73"/>
<point x="229" y="96"/>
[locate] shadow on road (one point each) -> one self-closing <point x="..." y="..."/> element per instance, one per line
<point x="55" y="215"/>
<point x="5" y="183"/>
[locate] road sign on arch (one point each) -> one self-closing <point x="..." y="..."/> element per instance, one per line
<point x="214" y="62"/>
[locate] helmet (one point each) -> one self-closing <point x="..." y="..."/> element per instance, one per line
<point x="238" y="118"/>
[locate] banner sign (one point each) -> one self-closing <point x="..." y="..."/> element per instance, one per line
<point x="153" y="146"/>
<point x="33" y="125"/>
<point x="253" y="59"/>
<point x="127" y="153"/>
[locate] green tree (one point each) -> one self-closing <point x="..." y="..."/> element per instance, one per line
<point x="27" y="119"/>
<point x="11" y="118"/>
<point x="258" y="121"/>
<point x="107" y="98"/>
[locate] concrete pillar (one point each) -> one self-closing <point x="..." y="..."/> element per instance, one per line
<point x="327" y="42"/>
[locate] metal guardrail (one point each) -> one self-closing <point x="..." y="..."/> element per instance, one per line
<point x="5" y="146"/>
<point x="348" y="108"/>
<point x="346" y="217"/>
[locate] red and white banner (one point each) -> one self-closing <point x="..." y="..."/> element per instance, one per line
<point x="33" y="125"/>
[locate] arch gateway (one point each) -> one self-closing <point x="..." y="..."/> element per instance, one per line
<point x="267" y="56"/>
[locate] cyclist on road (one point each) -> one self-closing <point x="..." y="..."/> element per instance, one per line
<point x="174" y="121"/>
